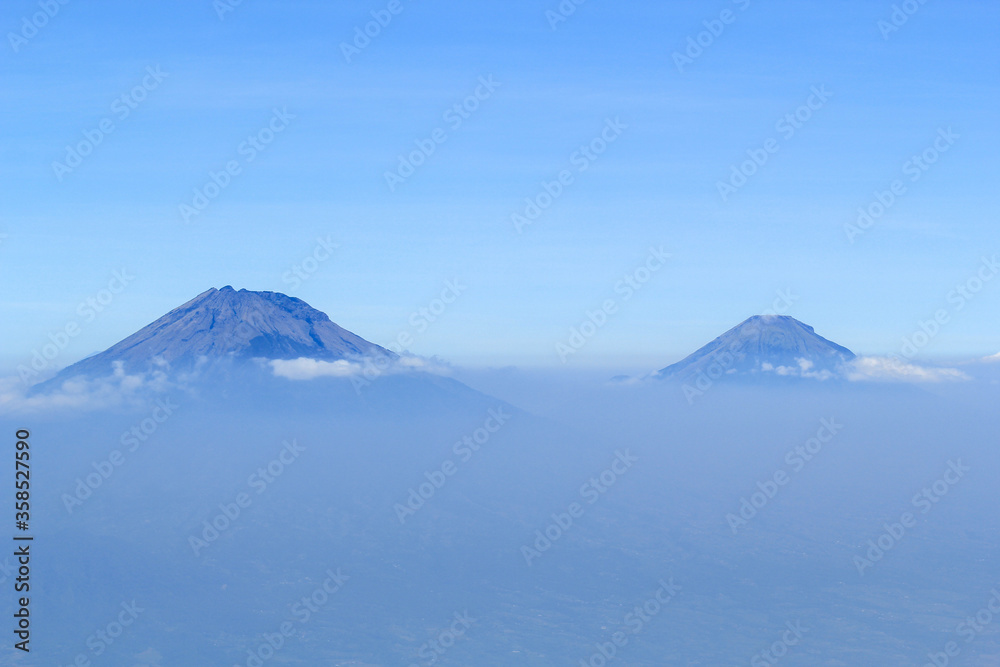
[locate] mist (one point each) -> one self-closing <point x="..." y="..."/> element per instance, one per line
<point x="542" y="520"/>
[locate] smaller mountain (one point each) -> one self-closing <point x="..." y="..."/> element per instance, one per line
<point x="226" y="324"/>
<point x="764" y="346"/>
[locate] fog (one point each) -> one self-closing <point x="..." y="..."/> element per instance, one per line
<point x="511" y="516"/>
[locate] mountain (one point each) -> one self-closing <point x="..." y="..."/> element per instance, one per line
<point x="225" y="324"/>
<point x="764" y="346"/>
<point x="216" y="347"/>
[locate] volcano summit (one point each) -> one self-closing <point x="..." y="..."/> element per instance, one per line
<point x="764" y="346"/>
<point x="234" y="325"/>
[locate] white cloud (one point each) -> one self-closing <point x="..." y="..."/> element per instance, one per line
<point x="894" y="369"/>
<point x="803" y="369"/>
<point x="992" y="358"/>
<point x="120" y="388"/>
<point x="434" y="365"/>
<point x="79" y="393"/>
<point x="305" y="368"/>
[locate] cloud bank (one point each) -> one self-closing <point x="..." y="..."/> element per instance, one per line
<point x="894" y="369"/>
<point x="305" y="368"/>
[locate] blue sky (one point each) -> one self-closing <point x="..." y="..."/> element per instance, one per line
<point x="346" y="124"/>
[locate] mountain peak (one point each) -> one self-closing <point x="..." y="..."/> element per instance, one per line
<point x="764" y="345"/>
<point x="230" y="324"/>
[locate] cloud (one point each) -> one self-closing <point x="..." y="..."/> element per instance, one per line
<point x="123" y="389"/>
<point x="803" y="369"/>
<point x="305" y="368"/>
<point x="80" y="393"/>
<point x="992" y="358"/>
<point x="894" y="369"/>
<point x="433" y="365"/>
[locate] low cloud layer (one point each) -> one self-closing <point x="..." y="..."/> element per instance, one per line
<point x="803" y="369"/>
<point x="305" y="368"/>
<point x="894" y="369"/>
<point x="80" y="393"/>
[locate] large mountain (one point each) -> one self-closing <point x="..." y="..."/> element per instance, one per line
<point x="225" y="324"/>
<point x="264" y="351"/>
<point x="764" y="346"/>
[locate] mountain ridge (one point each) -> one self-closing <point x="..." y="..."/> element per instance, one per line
<point x="229" y="324"/>
<point x="764" y="346"/>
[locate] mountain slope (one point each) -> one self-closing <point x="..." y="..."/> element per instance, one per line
<point x="764" y="346"/>
<point x="229" y="324"/>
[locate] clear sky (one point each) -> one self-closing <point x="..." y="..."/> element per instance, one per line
<point x="327" y="131"/>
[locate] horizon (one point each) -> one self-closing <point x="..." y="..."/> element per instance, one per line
<point x="292" y="136"/>
<point x="908" y="351"/>
<point x="549" y="332"/>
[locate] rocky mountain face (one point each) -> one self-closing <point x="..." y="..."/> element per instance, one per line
<point x="234" y="325"/>
<point x="764" y="346"/>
